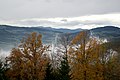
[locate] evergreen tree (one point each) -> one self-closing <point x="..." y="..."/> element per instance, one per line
<point x="64" y="69"/>
<point x="49" y="72"/>
<point x="3" y="69"/>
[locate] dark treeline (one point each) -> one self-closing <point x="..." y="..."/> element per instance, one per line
<point x="80" y="58"/>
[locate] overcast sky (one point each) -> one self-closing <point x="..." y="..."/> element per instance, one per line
<point x="60" y="13"/>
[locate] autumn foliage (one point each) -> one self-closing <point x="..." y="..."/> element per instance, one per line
<point x="80" y="58"/>
<point x="29" y="60"/>
<point x="88" y="59"/>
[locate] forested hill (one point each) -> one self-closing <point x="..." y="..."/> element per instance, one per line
<point x="111" y="33"/>
<point x="11" y="35"/>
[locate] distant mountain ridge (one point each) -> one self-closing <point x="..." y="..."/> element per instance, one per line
<point x="108" y="28"/>
<point x="11" y="35"/>
<point x="111" y="33"/>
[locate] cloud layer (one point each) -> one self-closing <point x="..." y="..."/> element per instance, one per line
<point x="84" y="22"/>
<point x="21" y="9"/>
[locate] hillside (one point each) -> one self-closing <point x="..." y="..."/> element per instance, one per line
<point x="111" y="33"/>
<point x="11" y="35"/>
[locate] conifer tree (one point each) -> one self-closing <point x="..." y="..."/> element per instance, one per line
<point x="29" y="60"/>
<point x="49" y="72"/>
<point x="3" y="69"/>
<point x="85" y="58"/>
<point x="64" y="69"/>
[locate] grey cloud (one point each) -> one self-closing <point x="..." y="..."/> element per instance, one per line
<point x="71" y="22"/>
<point x="48" y="23"/>
<point x="21" y="9"/>
<point x="97" y="22"/>
<point x="64" y="20"/>
<point x="33" y="22"/>
<point x="68" y="24"/>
